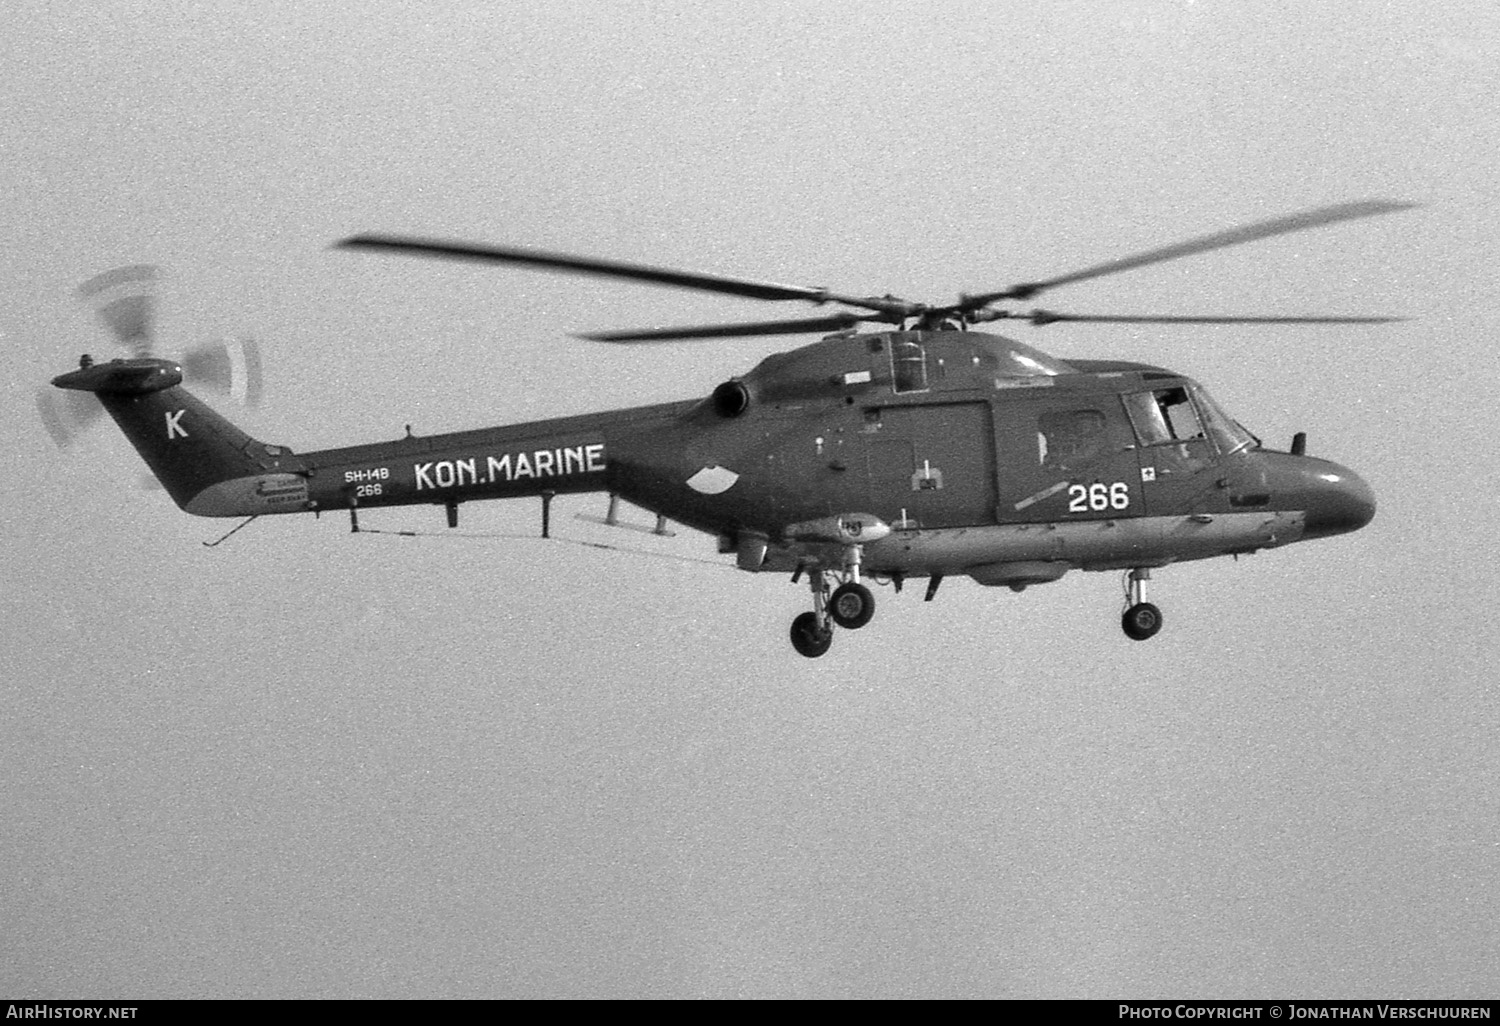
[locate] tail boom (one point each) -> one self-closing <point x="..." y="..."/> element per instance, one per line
<point x="213" y="469"/>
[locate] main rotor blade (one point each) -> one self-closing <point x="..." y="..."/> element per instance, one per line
<point x="584" y="265"/>
<point x="834" y="322"/>
<point x="1041" y="317"/>
<point x="1253" y="232"/>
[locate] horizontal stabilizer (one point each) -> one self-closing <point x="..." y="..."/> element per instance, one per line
<point x="141" y="376"/>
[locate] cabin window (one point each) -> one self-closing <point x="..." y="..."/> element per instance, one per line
<point x="1069" y="437"/>
<point x="1165" y="415"/>
<point x="908" y="366"/>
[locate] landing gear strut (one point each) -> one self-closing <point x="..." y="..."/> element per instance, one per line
<point x="1141" y="619"/>
<point x="812" y="632"/>
<point x="851" y="605"/>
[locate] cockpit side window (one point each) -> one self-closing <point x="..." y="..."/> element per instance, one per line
<point x="1165" y="415"/>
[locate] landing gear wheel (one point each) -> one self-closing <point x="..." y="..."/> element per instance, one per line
<point x="851" y="606"/>
<point x="1141" y="621"/>
<point x="808" y="638"/>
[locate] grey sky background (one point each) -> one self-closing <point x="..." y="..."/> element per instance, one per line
<point x="313" y="764"/>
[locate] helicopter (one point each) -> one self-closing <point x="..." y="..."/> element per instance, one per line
<point x="903" y="444"/>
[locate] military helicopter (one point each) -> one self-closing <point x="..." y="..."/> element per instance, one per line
<point x="903" y="444"/>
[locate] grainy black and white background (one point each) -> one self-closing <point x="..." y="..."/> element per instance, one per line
<point x="311" y="764"/>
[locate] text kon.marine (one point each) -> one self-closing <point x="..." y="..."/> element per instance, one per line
<point x="539" y="463"/>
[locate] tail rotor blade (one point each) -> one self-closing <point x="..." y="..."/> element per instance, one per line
<point x="66" y="415"/>
<point x="124" y="299"/>
<point x="233" y="367"/>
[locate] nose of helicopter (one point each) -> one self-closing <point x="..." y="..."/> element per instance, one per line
<point x="1338" y="500"/>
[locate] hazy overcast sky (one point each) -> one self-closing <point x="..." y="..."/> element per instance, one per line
<point x="313" y="764"/>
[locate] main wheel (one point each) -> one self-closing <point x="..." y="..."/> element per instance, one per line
<point x="808" y="638"/>
<point x="851" y="606"/>
<point x="1141" y="621"/>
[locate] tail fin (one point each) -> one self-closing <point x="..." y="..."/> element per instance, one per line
<point x="208" y="466"/>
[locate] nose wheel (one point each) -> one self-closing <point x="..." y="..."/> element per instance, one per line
<point x="1141" y="620"/>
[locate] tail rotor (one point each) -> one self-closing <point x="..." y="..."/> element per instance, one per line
<point x="125" y="300"/>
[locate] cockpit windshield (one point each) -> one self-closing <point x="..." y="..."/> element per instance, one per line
<point x="1184" y="414"/>
<point x="1221" y="427"/>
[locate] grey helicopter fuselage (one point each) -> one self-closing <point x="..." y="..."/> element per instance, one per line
<point x="934" y="452"/>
